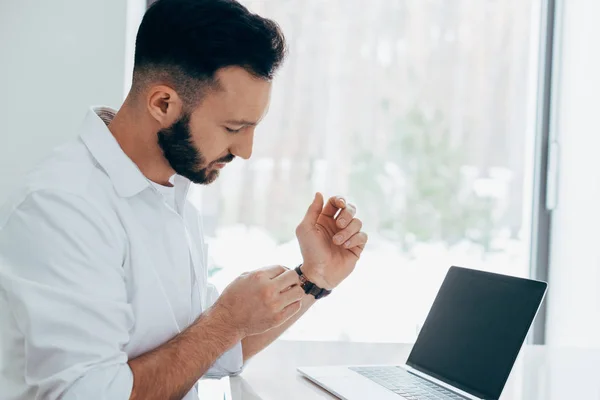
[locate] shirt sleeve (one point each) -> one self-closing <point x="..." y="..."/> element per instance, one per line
<point x="61" y="272"/>
<point x="231" y="362"/>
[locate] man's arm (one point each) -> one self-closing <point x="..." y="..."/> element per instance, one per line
<point x="331" y="242"/>
<point x="69" y="300"/>
<point x="254" y="302"/>
<point x="251" y="345"/>
<point x="170" y="371"/>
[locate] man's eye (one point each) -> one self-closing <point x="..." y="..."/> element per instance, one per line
<point x="233" y="130"/>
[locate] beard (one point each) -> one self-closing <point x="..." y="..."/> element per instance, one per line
<point x="185" y="159"/>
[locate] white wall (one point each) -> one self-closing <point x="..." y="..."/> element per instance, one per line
<point x="574" y="297"/>
<point x="56" y="58"/>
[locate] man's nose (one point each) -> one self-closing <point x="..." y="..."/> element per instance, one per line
<point x="244" y="144"/>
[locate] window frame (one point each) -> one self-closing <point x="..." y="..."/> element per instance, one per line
<point x="544" y="174"/>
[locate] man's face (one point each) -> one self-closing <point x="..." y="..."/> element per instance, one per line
<point x="221" y="128"/>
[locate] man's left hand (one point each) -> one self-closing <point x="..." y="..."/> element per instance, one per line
<point x="331" y="245"/>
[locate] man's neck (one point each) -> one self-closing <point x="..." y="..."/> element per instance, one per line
<point x="135" y="132"/>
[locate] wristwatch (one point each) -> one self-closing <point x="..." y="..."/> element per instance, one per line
<point x="309" y="287"/>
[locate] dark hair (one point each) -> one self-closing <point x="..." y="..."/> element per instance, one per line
<point x="186" y="41"/>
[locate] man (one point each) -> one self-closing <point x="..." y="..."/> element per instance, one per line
<point x="103" y="278"/>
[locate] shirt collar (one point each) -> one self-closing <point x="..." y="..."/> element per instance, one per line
<point x="124" y="174"/>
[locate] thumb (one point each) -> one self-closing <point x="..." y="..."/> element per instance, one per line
<point x="314" y="210"/>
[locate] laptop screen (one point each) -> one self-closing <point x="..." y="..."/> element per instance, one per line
<point x="475" y="329"/>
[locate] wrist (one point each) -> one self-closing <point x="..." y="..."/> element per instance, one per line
<point x="223" y="319"/>
<point x="315" y="278"/>
<point x="310" y="287"/>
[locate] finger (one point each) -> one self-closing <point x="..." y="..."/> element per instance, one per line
<point x="287" y="279"/>
<point x="357" y="251"/>
<point x="346" y="215"/>
<point x="291" y="296"/>
<point x="333" y="205"/>
<point x="313" y="212"/>
<point x="353" y="228"/>
<point x="273" y="271"/>
<point x="359" y="239"/>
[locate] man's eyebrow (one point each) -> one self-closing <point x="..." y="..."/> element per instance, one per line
<point x="241" y="122"/>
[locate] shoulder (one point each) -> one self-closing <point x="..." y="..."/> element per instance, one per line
<point x="69" y="179"/>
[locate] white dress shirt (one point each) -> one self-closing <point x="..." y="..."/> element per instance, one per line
<point x="97" y="266"/>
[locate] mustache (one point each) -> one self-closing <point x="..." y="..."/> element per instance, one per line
<point x="227" y="159"/>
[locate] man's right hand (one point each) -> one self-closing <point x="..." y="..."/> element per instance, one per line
<point x="260" y="300"/>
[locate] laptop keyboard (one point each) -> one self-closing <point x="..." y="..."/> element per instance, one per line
<point x="407" y="385"/>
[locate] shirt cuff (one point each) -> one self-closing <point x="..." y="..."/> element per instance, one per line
<point x="109" y="382"/>
<point x="231" y="363"/>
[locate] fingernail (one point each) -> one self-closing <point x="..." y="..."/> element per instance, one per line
<point x="343" y="202"/>
<point x="338" y="239"/>
<point x="342" y="222"/>
<point x="347" y="244"/>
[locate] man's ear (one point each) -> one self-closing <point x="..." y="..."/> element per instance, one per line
<point x="164" y="105"/>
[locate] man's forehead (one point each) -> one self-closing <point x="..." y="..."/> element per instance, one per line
<point x="239" y="84"/>
<point x="241" y="97"/>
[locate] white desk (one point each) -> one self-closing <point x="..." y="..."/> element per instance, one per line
<point x="540" y="373"/>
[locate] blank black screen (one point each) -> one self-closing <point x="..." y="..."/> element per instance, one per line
<point x="475" y="329"/>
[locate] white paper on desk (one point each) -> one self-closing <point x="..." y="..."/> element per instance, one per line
<point x="214" y="389"/>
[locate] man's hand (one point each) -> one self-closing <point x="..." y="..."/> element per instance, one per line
<point x="253" y="303"/>
<point x="330" y="245"/>
<point x="260" y="300"/>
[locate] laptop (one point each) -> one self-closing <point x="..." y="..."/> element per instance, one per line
<point x="465" y="350"/>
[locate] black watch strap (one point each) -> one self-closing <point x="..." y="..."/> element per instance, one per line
<point x="309" y="287"/>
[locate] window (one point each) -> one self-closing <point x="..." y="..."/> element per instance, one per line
<point x="574" y="306"/>
<point x="423" y="114"/>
